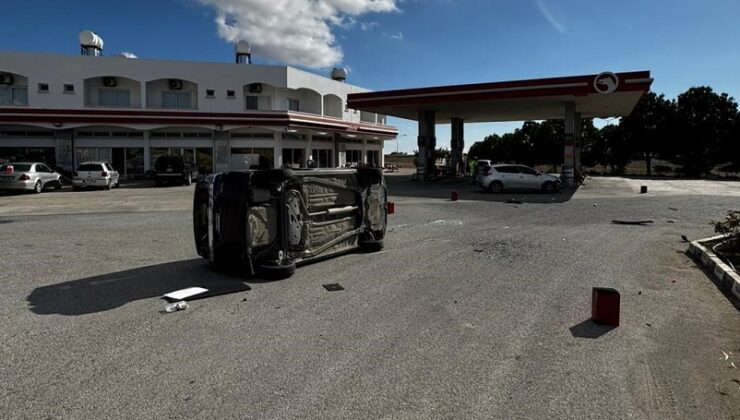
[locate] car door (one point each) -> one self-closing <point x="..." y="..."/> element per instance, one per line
<point x="508" y="176"/>
<point x="44" y="173"/>
<point x="528" y="178"/>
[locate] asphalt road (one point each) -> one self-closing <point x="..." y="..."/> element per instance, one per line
<point x="474" y="309"/>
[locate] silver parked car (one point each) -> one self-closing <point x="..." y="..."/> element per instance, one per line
<point x="28" y="176"/>
<point x="497" y="178"/>
<point x="95" y="175"/>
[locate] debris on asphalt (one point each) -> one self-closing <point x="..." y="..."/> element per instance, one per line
<point x="176" y="306"/>
<point x="185" y="293"/>
<point x="477" y="250"/>
<point x="333" y="287"/>
<point x="672" y="208"/>
<point x="670" y="221"/>
<point x="632" y="222"/>
<point x="595" y="204"/>
<point x="640" y="292"/>
<point x="648" y="324"/>
<point x="514" y="201"/>
<point x="685" y="239"/>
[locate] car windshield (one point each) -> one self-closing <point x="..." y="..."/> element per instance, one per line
<point x="163" y="162"/>
<point x="17" y="167"/>
<point x="90" y="167"/>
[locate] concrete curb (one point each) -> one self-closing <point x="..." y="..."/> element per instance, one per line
<point x="725" y="277"/>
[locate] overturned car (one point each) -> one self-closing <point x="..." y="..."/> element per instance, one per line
<point x="264" y="222"/>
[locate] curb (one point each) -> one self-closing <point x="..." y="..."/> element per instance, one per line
<point x="727" y="279"/>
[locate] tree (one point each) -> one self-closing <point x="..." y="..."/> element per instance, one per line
<point x="649" y="129"/>
<point x="705" y="122"/>
<point x="618" y="152"/>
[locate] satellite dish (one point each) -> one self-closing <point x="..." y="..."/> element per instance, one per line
<point x="243" y="47"/>
<point x="339" y="74"/>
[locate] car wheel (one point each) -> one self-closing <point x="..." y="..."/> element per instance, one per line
<point x="276" y="272"/>
<point x="371" y="246"/>
<point x="548" y="187"/>
<point x="495" y="187"/>
<point x="38" y="187"/>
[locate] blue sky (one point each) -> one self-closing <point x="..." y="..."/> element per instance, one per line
<point x="390" y="44"/>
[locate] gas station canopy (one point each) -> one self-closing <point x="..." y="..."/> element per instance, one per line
<point x="594" y="96"/>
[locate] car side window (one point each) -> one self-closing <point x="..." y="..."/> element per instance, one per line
<point x="42" y="168"/>
<point x="107" y="165"/>
<point x="507" y="169"/>
<point x="527" y="171"/>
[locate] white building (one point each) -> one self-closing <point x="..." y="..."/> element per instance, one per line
<point x="65" y="109"/>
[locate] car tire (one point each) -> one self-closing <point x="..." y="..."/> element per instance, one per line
<point x="38" y="187"/>
<point x="548" y="187"/>
<point x="496" y="187"/>
<point x="371" y="246"/>
<point x="276" y="272"/>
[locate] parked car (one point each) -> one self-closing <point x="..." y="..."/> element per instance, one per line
<point x="497" y="178"/>
<point x="266" y="221"/>
<point x="95" y="175"/>
<point x="173" y="169"/>
<point x="28" y="176"/>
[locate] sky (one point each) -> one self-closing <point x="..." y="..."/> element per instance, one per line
<point x="392" y="44"/>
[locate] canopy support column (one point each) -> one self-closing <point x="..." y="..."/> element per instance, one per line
<point x="457" y="144"/>
<point x="571" y="147"/>
<point x="427" y="142"/>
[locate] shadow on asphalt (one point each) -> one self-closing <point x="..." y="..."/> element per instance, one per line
<point x="109" y="291"/>
<point x="590" y="329"/>
<point x="404" y="186"/>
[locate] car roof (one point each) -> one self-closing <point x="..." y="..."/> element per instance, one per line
<point x="100" y="162"/>
<point x="22" y="163"/>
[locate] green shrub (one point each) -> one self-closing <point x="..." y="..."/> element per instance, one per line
<point x="730" y="227"/>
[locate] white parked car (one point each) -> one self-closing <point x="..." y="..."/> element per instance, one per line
<point x="95" y="175"/>
<point x="500" y="177"/>
<point x="28" y="176"/>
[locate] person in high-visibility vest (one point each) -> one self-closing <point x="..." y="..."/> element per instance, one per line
<point x="473" y="164"/>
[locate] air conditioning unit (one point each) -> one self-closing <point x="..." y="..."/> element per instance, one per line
<point x="255" y="88"/>
<point x="6" y="79"/>
<point x="175" y="84"/>
<point x="110" y="81"/>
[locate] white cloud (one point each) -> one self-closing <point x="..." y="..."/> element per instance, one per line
<point x="397" y="36"/>
<point x="295" y="32"/>
<point x="128" y="54"/>
<point x="366" y="26"/>
<point x="555" y="21"/>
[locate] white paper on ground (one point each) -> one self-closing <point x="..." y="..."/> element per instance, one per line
<point x="185" y="293"/>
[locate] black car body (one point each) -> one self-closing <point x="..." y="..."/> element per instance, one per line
<point x="173" y="169"/>
<point x="265" y="222"/>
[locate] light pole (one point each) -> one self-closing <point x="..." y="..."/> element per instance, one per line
<point x="400" y="135"/>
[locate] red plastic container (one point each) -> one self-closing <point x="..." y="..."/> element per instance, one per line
<point x="454" y="196"/>
<point x="391" y="207"/>
<point x="605" y="306"/>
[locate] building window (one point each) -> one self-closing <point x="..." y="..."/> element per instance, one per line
<point x="68" y="88"/>
<point x="354" y="157"/>
<point x="293" y="104"/>
<point x="294" y="158"/>
<point x="251" y="158"/>
<point x="210" y="93"/>
<point x="322" y="157"/>
<point x="230" y="94"/>
<point x="14" y="95"/>
<point x="258" y="102"/>
<point x="179" y="100"/>
<point x="373" y="158"/>
<point x="114" y="97"/>
<point x="43" y="87"/>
